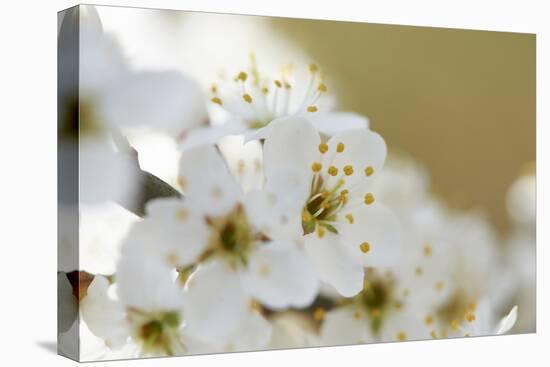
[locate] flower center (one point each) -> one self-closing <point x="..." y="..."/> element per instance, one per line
<point x="323" y="205"/>
<point x="261" y="99"/>
<point x="157" y="332"/>
<point x="232" y="238"/>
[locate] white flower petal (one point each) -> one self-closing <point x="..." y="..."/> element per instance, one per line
<point x="105" y="174"/>
<point x="104" y="316"/>
<point x="344" y="326"/>
<point x="332" y="123"/>
<point x="254" y="333"/>
<point x="215" y="303"/>
<point x="273" y="215"/>
<point x="507" y="322"/>
<point x="206" y="180"/>
<point x="335" y="264"/>
<point x="209" y="135"/>
<point x="145" y="283"/>
<point x="404" y="324"/>
<point x="166" y="101"/>
<point x="280" y="277"/>
<point x="102" y="229"/>
<point x="380" y="228"/>
<point x="171" y="231"/>
<point x="292" y="145"/>
<point x="361" y="149"/>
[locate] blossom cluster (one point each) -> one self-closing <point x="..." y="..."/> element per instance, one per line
<point x="314" y="236"/>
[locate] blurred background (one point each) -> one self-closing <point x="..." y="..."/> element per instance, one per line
<point x="461" y="102"/>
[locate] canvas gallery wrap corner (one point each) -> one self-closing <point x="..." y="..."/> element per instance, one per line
<point x="234" y="183"/>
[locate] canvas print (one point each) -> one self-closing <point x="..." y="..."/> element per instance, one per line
<point x="233" y="183"/>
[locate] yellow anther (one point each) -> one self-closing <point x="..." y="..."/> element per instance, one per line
<point x="320" y="232"/>
<point x="333" y="171"/>
<point x="429" y="320"/>
<point x="247" y="98"/>
<point x="401" y="336"/>
<point x="264" y="271"/>
<point x="242" y="76"/>
<point x="323" y="148"/>
<point x="419" y="271"/>
<point x="344" y="192"/>
<point x="470" y="316"/>
<point x="182" y="214"/>
<point x="472" y="306"/>
<point x="265" y="90"/>
<point x="312" y="109"/>
<point x="455" y="325"/>
<point x="322" y="87"/>
<point x="278" y="83"/>
<point x="319" y="314"/>
<point x="369" y="171"/>
<point x="350" y="218"/>
<point x="340" y="147"/>
<point x="439" y="286"/>
<point x="466" y="335"/>
<point x="182" y="182"/>
<point x="348" y="170"/>
<point x="376" y="312"/>
<point x="287" y="85"/>
<point x="369" y="198"/>
<point x="313" y="68"/>
<point x="427" y="250"/>
<point x="217" y="100"/>
<point x="316" y="167"/>
<point x="433" y="334"/>
<point x="214" y="89"/>
<point x="364" y="247"/>
<point x="255" y="306"/>
<point x="172" y="259"/>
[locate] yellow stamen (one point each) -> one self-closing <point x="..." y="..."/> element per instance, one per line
<point x="419" y="271"/>
<point x="455" y="325"/>
<point x="429" y="320"/>
<point x="369" y="198"/>
<point x="369" y="171"/>
<point x="265" y="90"/>
<point x="323" y="148"/>
<point x="470" y="317"/>
<point x="247" y="98"/>
<point x="333" y="171"/>
<point x="242" y="76"/>
<point x="401" y="336"/>
<point x="322" y="88"/>
<point x="217" y="100"/>
<point x="312" y="109"/>
<point x="364" y="247"/>
<point x="313" y="68"/>
<point x="182" y="215"/>
<point x="278" y="84"/>
<point x="427" y="250"/>
<point x="350" y="218"/>
<point x="316" y="167"/>
<point x="319" y="314"/>
<point x="472" y="306"/>
<point x="376" y="312"/>
<point x="320" y="232"/>
<point x="433" y="334"/>
<point x="214" y="89"/>
<point x="439" y="286"/>
<point x="340" y="147"/>
<point x="348" y="170"/>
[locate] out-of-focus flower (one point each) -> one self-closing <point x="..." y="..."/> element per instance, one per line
<point x="109" y="97"/>
<point x="521" y="248"/>
<point x="254" y="100"/>
<point x="329" y="185"/>
<point x="152" y="303"/>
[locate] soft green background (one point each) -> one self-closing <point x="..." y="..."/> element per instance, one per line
<point x="461" y="102"/>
